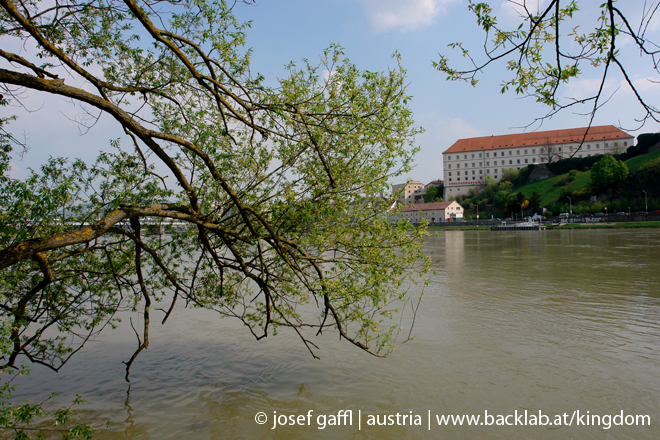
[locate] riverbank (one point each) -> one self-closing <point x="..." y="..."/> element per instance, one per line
<point x="628" y="225"/>
<point x="458" y="228"/>
<point x="621" y="225"/>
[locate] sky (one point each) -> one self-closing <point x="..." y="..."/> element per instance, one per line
<point x="370" y="31"/>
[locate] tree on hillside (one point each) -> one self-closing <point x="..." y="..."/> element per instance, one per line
<point x="549" y="49"/>
<point x="263" y="190"/>
<point x="432" y="195"/>
<point x="504" y="197"/>
<point x="534" y="201"/>
<point x="617" y="148"/>
<point x="549" y="154"/>
<point x="509" y="174"/>
<point x="608" y="172"/>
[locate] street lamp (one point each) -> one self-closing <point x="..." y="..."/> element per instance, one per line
<point x="646" y="201"/>
<point x="570" y="204"/>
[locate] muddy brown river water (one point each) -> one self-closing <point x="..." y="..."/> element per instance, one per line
<point x="548" y="322"/>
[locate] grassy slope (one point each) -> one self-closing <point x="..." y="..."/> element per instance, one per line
<point x="549" y="192"/>
<point x="644" y="160"/>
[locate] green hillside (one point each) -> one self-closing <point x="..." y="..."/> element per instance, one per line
<point x="644" y="160"/>
<point x="551" y="189"/>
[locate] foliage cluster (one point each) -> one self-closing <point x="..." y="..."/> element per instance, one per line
<point x="265" y="192"/>
<point x="608" y="172"/>
<point x="433" y="194"/>
<point x="551" y="46"/>
<point x="20" y="420"/>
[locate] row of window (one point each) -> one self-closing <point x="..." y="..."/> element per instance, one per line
<point x="458" y="165"/>
<point x="473" y="155"/>
<point x="458" y="179"/>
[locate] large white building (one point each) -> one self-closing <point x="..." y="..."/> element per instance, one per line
<point x="467" y="163"/>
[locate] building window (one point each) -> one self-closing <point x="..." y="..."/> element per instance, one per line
<point x="510" y="162"/>
<point x="625" y="143"/>
<point x="448" y="158"/>
<point x="503" y="162"/>
<point x="472" y="164"/>
<point x="473" y="156"/>
<point x="450" y="173"/>
<point x="480" y="171"/>
<point x="487" y="164"/>
<point x="534" y="160"/>
<point x="533" y="150"/>
<point x="588" y="147"/>
<point x="510" y="153"/>
<point x="495" y="171"/>
<point x="525" y="151"/>
<point x="496" y="176"/>
<point x="607" y="144"/>
<point x="473" y="173"/>
<point x="458" y="165"/>
<point x="450" y="166"/>
<point x="480" y="155"/>
<point x="487" y="154"/>
<point x="526" y="161"/>
<point x="597" y="145"/>
<point x="481" y="164"/>
<point x="466" y="156"/>
<point x="597" y="148"/>
<point x="559" y="149"/>
<point x="487" y="171"/>
<point x="518" y="161"/>
<point x="518" y="152"/>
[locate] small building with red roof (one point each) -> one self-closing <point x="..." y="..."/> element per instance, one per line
<point x="436" y="212"/>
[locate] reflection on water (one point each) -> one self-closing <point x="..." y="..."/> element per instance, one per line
<point x="555" y="321"/>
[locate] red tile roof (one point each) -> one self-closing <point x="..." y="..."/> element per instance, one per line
<point x="538" y="138"/>
<point x="427" y="206"/>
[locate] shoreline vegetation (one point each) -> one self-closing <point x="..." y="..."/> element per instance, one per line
<point x="621" y="225"/>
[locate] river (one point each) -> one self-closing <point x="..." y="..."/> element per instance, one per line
<point x="547" y="322"/>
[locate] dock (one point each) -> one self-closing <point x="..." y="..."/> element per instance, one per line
<point x="527" y="226"/>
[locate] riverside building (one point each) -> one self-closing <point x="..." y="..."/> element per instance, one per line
<point x="436" y="212"/>
<point x="468" y="161"/>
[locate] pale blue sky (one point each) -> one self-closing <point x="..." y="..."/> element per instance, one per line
<point x="370" y="31"/>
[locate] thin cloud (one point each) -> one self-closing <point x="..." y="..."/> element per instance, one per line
<point x="406" y="16"/>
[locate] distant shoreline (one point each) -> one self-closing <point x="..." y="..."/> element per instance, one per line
<point x="622" y="225"/>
